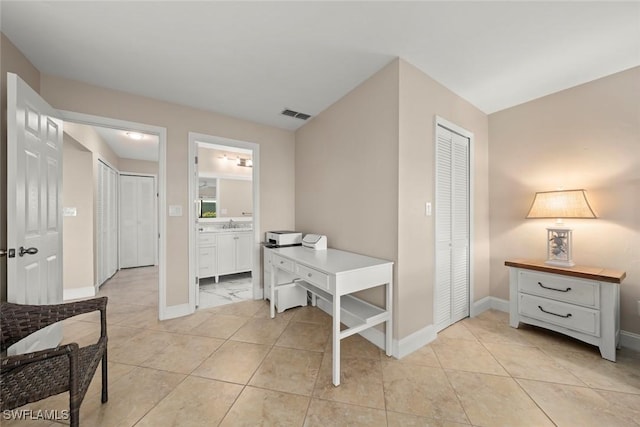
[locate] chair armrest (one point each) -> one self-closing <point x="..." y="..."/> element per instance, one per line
<point x="19" y="320"/>
<point x="11" y="362"/>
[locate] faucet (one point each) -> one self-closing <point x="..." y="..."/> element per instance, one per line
<point x="231" y="225"/>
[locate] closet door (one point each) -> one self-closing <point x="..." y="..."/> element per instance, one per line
<point x="137" y="221"/>
<point x="451" y="299"/>
<point x="106" y="223"/>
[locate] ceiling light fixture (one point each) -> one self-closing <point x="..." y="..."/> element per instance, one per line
<point x="135" y="135"/>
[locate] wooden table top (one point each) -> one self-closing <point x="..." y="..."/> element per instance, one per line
<point x="585" y="272"/>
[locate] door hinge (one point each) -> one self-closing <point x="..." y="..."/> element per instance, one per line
<point x="196" y="160"/>
<point x="197" y="279"/>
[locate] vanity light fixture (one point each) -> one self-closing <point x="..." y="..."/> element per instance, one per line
<point x="247" y="163"/>
<point x="560" y="204"/>
<point x="135" y="135"/>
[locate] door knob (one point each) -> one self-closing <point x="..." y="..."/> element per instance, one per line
<point x="29" y="251"/>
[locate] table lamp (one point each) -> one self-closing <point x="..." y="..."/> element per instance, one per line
<point x="560" y="204"/>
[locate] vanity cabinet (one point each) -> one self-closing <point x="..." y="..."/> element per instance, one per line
<point x="207" y="255"/>
<point x="581" y="302"/>
<point x="234" y="252"/>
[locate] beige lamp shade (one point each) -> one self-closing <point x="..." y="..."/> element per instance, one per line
<point x="561" y="204"/>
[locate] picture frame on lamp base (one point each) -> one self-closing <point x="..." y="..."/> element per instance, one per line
<point x="559" y="244"/>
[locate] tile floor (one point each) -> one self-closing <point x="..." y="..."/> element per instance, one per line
<point x="230" y="288"/>
<point x="233" y="366"/>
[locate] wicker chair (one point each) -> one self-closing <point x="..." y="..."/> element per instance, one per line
<point x="30" y="377"/>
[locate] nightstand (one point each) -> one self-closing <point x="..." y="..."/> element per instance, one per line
<point x="581" y="302"/>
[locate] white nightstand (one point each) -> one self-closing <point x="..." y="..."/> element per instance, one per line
<point x="581" y="302"/>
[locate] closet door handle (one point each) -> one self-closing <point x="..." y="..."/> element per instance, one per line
<point x="554" y="289"/>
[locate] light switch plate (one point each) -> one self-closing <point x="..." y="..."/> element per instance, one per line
<point x="69" y="211"/>
<point x="427" y="209"/>
<point x="175" y="210"/>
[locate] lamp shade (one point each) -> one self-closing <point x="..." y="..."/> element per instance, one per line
<point x="561" y="204"/>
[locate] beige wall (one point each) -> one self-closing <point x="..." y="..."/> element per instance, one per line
<point x="276" y="158"/>
<point x="11" y="60"/>
<point x="77" y="231"/>
<point x="347" y="171"/>
<point x="584" y="137"/>
<point x="421" y="99"/>
<point x="138" y="166"/>
<point x="364" y="170"/>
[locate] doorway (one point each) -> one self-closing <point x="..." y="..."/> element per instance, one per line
<point x="224" y="248"/>
<point x="453" y="228"/>
<point x="129" y="164"/>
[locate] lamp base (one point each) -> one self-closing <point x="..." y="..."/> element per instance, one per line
<point x="559" y="263"/>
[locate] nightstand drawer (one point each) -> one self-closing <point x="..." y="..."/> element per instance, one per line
<point x="282" y="263"/>
<point x="569" y="316"/>
<point x="567" y="289"/>
<point x="314" y="276"/>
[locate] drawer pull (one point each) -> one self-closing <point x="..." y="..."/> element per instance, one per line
<point x="309" y="275"/>
<point x="566" y="316"/>
<point x="554" y="289"/>
<point x="281" y="262"/>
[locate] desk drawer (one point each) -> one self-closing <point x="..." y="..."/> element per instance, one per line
<point x="569" y="316"/>
<point x="314" y="276"/>
<point x="567" y="289"/>
<point x="283" y="263"/>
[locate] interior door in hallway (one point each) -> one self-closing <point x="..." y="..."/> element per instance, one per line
<point x="34" y="206"/>
<point x="452" y="228"/>
<point x="137" y="221"/>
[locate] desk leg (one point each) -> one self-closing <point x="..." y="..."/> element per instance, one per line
<point x="388" y="329"/>
<point x="336" y="340"/>
<point x="272" y="299"/>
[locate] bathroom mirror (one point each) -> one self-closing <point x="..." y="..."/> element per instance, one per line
<point x="224" y="198"/>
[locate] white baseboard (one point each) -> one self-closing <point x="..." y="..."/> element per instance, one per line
<point x="630" y="340"/>
<point x="173" y="311"/>
<point x="78" y="293"/>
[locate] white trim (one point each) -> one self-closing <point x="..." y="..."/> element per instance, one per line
<point x="77" y="293"/>
<point x="161" y="132"/>
<point x="196" y="139"/>
<point x="173" y="311"/>
<point x="487" y="303"/>
<point x="630" y="340"/>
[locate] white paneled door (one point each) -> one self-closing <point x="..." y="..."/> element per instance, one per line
<point x="34" y="206"/>
<point x="452" y="228"/>
<point x="137" y="221"/>
<point x="107" y="222"/>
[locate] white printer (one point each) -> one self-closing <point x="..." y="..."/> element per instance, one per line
<point x="315" y="241"/>
<point x="278" y="239"/>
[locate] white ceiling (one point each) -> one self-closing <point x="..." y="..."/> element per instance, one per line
<point x="253" y="59"/>
<point x="125" y="147"/>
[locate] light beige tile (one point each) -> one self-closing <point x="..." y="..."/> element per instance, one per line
<point x="531" y="363"/>
<point x="486" y="329"/>
<point x="465" y="355"/>
<point x="356" y="346"/>
<point x="324" y="413"/>
<point x="130" y="398"/>
<point x="141" y="347"/>
<point x="118" y="335"/>
<point x="83" y="333"/>
<point x="304" y="336"/>
<point x="396" y="419"/>
<point x="182" y="324"/>
<point x="243" y="308"/>
<point x="234" y="362"/>
<point x="596" y="372"/>
<point x="491" y="400"/>
<point x="260" y="331"/>
<point x="360" y="382"/>
<point x="259" y="407"/>
<point x="457" y="331"/>
<point x="311" y="314"/>
<point x="194" y="402"/>
<point x="580" y="406"/>
<point x="144" y="317"/>
<point x="424" y="356"/>
<point x="264" y="312"/>
<point x="219" y="326"/>
<point x="289" y="370"/>
<point x="420" y="390"/>
<point x="185" y="354"/>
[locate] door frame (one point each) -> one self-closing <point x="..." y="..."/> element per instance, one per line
<point x="440" y="121"/>
<point x="256" y="272"/>
<point x="161" y="133"/>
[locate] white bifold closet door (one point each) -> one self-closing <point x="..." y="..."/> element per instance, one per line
<point x="451" y="299"/>
<point x="137" y="221"/>
<point x="107" y="222"/>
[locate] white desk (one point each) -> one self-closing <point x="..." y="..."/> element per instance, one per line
<point x="332" y="275"/>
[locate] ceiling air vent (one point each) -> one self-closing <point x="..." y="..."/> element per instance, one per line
<point x="295" y="114"/>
